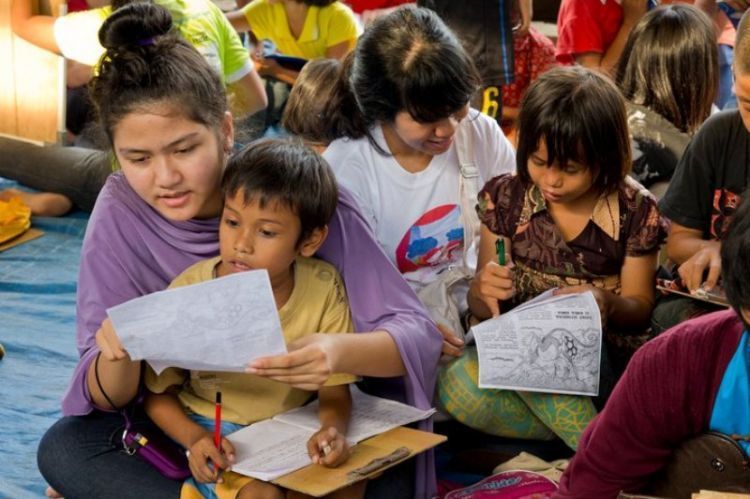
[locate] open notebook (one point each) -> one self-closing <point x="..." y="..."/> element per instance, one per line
<point x="275" y="447"/>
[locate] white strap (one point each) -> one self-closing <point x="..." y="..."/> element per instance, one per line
<point x="468" y="188"/>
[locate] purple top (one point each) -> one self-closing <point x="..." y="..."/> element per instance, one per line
<point x="665" y="397"/>
<point x="130" y="250"/>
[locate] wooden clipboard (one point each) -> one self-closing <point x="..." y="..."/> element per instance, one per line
<point x="318" y="481"/>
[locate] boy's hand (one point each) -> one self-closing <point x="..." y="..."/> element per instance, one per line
<point x="601" y="296"/>
<point x="203" y="450"/>
<point x="328" y="447"/>
<point x="694" y="268"/>
<point x="109" y="343"/>
<point x="493" y="283"/>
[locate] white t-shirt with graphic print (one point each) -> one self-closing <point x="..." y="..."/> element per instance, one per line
<point x="416" y="217"/>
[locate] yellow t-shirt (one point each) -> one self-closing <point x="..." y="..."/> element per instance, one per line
<point x="200" y="22"/>
<point x="324" y="27"/>
<point x="318" y="304"/>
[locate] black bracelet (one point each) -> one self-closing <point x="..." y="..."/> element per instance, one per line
<point x="99" y="383"/>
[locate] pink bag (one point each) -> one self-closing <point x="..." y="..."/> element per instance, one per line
<point x="514" y="484"/>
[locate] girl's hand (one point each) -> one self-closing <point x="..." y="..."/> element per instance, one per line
<point x="328" y="447"/>
<point x="694" y="268"/>
<point x="492" y="284"/>
<point x="601" y="296"/>
<point x="203" y="450"/>
<point x="452" y="344"/>
<point x="307" y="365"/>
<point x="109" y="343"/>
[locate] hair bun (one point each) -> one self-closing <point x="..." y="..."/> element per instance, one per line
<point x="135" y="24"/>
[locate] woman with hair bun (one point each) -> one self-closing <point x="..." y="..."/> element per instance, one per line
<point x="164" y="112"/>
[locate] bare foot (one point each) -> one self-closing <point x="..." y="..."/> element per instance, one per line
<point x="52" y="493"/>
<point x="42" y="204"/>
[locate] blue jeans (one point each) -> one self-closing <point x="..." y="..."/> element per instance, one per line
<point x="82" y="457"/>
<point x="725" y="98"/>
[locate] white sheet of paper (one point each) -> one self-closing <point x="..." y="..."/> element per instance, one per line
<point x="217" y="325"/>
<point x="274" y="447"/>
<point x="370" y="416"/>
<point x="270" y="449"/>
<point x="551" y="346"/>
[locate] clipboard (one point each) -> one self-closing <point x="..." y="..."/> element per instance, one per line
<point x="368" y="459"/>
<point x="715" y="298"/>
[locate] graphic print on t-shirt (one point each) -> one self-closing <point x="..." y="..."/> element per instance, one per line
<point x="724" y="205"/>
<point x="436" y="237"/>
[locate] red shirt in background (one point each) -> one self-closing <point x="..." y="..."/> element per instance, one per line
<point x="586" y="26"/>
<point x="360" y="6"/>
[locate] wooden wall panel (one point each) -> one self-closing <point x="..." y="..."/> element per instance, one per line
<point x="7" y="78"/>
<point x="31" y="94"/>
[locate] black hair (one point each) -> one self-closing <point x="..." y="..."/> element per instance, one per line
<point x="735" y="257"/>
<point x="670" y="65"/>
<point x="581" y="116"/>
<point x="285" y="171"/>
<point x="407" y="60"/>
<point x="146" y="63"/>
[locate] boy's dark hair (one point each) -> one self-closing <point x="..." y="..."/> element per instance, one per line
<point x="318" y="3"/>
<point x="407" y="60"/>
<point x="670" y="65"/>
<point x="285" y="171"/>
<point x="581" y="116"/>
<point x="735" y="257"/>
<point x="147" y="64"/>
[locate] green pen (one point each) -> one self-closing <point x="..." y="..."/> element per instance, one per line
<point x="500" y="250"/>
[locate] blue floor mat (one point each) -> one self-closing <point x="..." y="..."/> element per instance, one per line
<point x="37" y="328"/>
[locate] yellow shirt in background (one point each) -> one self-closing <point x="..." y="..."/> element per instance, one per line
<point x="318" y="304"/>
<point x="200" y="22"/>
<point x="324" y="27"/>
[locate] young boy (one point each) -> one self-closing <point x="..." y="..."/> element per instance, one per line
<point x="279" y="198"/>
<point x="705" y="192"/>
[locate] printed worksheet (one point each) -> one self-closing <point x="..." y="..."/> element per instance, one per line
<point x="370" y="415"/>
<point x="272" y="448"/>
<point x="552" y="346"/>
<point x="217" y="325"/>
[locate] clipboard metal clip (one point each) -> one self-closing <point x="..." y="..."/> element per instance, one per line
<point x="378" y="464"/>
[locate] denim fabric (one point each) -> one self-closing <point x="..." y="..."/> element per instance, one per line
<point x="76" y="172"/>
<point x="82" y="457"/>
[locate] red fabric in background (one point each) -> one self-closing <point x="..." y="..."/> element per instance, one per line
<point x="360" y="6"/>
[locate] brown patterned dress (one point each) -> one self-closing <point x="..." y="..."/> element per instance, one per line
<point x="624" y="223"/>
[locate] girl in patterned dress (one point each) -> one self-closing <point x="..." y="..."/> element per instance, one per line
<point x="571" y="219"/>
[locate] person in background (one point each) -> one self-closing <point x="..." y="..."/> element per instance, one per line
<point x="704" y="193"/>
<point x="664" y="108"/>
<point x="74" y="36"/>
<point x="593" y="33"/>
<point x="486" y="32"/>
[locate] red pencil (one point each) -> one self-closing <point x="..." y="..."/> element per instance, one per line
<point x="217" y="421"/>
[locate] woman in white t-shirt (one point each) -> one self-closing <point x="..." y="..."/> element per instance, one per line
<point x="400" y="103"/>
